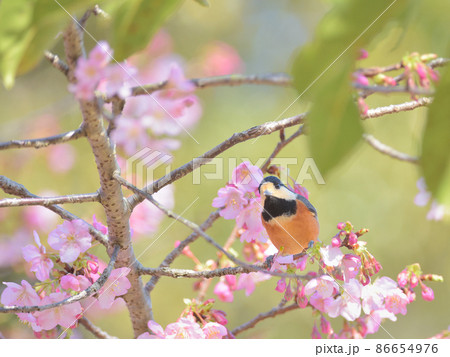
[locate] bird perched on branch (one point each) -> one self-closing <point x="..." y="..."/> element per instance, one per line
<point x="289" y="218"/>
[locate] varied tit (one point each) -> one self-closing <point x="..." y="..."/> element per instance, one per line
<point x="289" y="219"/>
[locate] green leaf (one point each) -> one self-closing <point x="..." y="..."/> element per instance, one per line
<point x="435" y="160"/>
<point x="349" y="26"/>
<point x="15" y="19"/>
<point x="322" y="72"/>
<point x="136" y="21"/>
<point x="334" y="122"/>
<point x="204" y="3"/>
<point x="28" y="28"/>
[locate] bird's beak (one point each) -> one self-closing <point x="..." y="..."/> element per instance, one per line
<point x="267" y="193"/>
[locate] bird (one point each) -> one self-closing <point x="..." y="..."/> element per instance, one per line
<point x="290" y="219"/>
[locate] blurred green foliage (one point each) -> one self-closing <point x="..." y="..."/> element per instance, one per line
<point x="367" y="188"/>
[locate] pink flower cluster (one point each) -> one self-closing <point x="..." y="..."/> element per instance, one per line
<point x="95" y="70"/>
<point x="344" y="287"/>
<point x="68" y="270"/>
<point x="229" y="283"/>
<point x="198" y="320"/>
<point x="154" y="120"/>
<point x="241" y="201"/>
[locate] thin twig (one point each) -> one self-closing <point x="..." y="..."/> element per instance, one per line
<point x="176" y="216"/>
<point x="95" y="287"/>
<point x="387" y="150"/>
<point x="13" y="188"/>
<point x="277" y="79"/>
<point x="278" y="310"/>
<point x="178" y="250"/>
<point x="44" y="142"/>
<point x="264" y="129"/>
<point x="56" y="62"/>
<point x="396" y="108"/>
<point x="281" y="144"/>
<point x="95" y="330"/>
<point x="48" y="201"/>
<point x="391" y="89"/>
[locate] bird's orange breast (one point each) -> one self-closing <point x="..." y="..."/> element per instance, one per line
<point x="293" y="233"/>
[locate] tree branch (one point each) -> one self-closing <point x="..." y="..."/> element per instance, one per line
<point x="95" y="287"/>
<point x="48" y="201"/>
<point x="264" y="129"/>
<point x="95" y="330"/>
<point x="387" y="150"/>
<point x="277" y="79"/>
<point x="278" y="310"/>
<point x="209" y="274"/>
<point x="13" y="188"/>
<point x="44" y="142"/>
<point x="116" y="209"/>
<point x="396" y="108"/>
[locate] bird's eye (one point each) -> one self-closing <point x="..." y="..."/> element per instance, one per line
<point x="277" y="186"/>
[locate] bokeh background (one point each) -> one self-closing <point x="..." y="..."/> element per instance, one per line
<point x="369" y="189"/>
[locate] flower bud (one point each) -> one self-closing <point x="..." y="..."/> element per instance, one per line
<point x="427" y="293"/>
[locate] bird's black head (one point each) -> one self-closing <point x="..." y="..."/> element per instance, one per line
<point x="278" y="199"/>
<point x="271" y="186"/>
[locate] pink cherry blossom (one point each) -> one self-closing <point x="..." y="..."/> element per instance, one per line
<point x="325" y="286"/>
<point x="403" y="278"/>
<point x="213" y="330"/>
<point x="350" y="266"/>
<point x="247" y="176"/>
<point x="301" y="262"/>
<point x="250" y="216"/>
<point x="348" y="304"/>
<point x="119" y="79"/>
<point x="332" y="256"/>
<point x="301" y="299"/>
<point x="116" y="285"/>
<point x="232" y="199"/>
<point x="71" y="282"/>
<point x="71" y="239"/>
<point x="19" y="295"/>
<point x="414" y="280"/>
<point x="248" y="281"/>
<point x="64" y="315"/>
<point x="41" y="264"/>
<point x="220" y="59"/>
<point x="223" y="291"/>
<point x="250" y="236"/>
<point x="373" y="321"/>
<point x="219" y="316"/>
<point x="184" y="328"/>
<point x="177" y="84"/>
<point x="396" y="302"/>
<point x="281" y="286"/>
<point x="131" y="134"/>
<point x="101" y="54"/>
<point x="427" y="293"/>
<point x="360" y="79"/>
